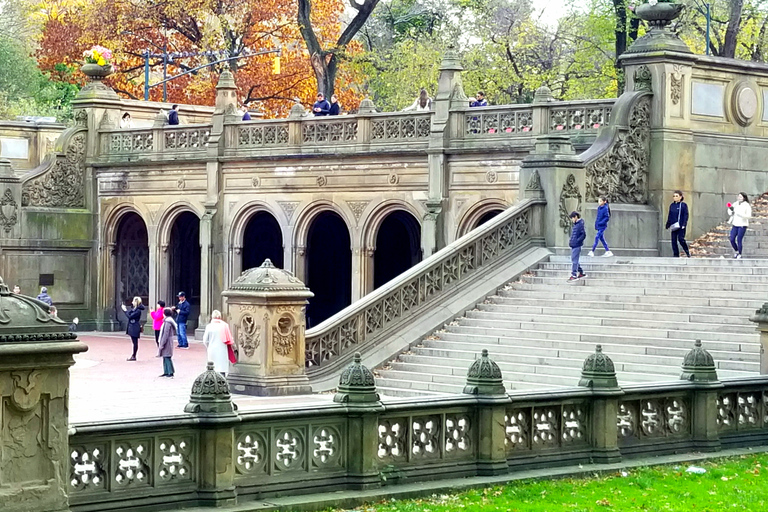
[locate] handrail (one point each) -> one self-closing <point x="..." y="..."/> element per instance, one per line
<point x="400" y="300"/>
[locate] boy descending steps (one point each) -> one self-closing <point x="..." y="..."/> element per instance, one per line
<point x="578" y="234"/>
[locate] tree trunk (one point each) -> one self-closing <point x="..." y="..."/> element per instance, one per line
<point x="732" y="31"/>
<point x="325" y="73"/>
<point x="620" y="8"/>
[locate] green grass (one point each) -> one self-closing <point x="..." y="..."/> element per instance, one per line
<point x="738" y="483"/>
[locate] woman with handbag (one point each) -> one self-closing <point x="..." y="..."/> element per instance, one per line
<point x="218" y="342"/>
<point x="740" y="212"/>
<point x="677" y="220"/>
<point x="134" y="324"/>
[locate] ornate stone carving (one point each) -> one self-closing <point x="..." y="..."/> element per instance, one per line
<point x="284" y="335"/>
<point x="698" y="365"/>
<point x="249" y="334"/>
<point x="598" y="371"/>
<point x="356" y="384"/>
<point x="676" y="84"/>
<point x="570" y="201"/>
<point x="484" y="377"/>
<point x="62" y="185"/>
<point x="81" y="118"/>
<point x="322" y="181"/>
<point x="393" y="179"/>
<point x="534" y="182"/>
<point x="621" y="174"/>
<point x="180" y="184"/>
<point x="210" y="394"/>
<point x="9" y="210"/>
<point x="288" y="208"/>
<point x="357" y="207"/>
<point x="643" y="79"/>
<point x="491" y="176"/>
<point x="255" y="182"/>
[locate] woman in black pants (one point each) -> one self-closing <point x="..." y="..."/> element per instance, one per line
<point x="134" y="325"/>
<point x="677" y="220"/>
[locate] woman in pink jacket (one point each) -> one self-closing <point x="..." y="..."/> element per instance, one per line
<point x="157" y="319"/>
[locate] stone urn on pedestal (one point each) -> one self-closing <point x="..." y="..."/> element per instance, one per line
<point x="266" y="310"/>
<point x="659" y="15"/>
<point x="96" y="73"/>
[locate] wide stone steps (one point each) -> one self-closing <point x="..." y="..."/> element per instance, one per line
<point x="645" y="312"/>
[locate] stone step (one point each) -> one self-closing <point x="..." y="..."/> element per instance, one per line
<point x="664" y="278"/>
<point x="669" y="261"/>
<point x="590" y="264"/>
<point x="726" y="286"/>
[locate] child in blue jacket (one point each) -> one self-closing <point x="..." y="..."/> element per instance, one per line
<point x="578" y="234"/>
<point x="601" y="224"/>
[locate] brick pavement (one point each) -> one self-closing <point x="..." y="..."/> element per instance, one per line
<point x="106" y="387"/>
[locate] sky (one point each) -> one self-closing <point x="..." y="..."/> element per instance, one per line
<point x="553" y="10"/>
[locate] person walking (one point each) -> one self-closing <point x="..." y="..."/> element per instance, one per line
<point x="165" y="342"/>
<point x="578" y="235"/>
<point x="335" y="106"/>
<point x="218" y="341"/>
<point x="182" y="314"/>
<point x="740" y="212"/>
<point x="44" y="297"/>
<point x="157" y="319"/>
<point x="134" y="324"/>
<point x="422" y="104"/>
<point x="601" y="224"/>
<point x="677" y="220"/>
<point x="321" y="106"/>
<point x="173" y="116"/>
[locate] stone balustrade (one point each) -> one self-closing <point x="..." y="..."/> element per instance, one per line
<point x="123" y="144"/>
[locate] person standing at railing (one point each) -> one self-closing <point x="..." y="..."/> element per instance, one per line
<point x="335" y="106"/>
<point x="321" y="106"/>
<point x="479" y="100"/>
<point x="126" y="122"/>
<point x="173" y="116"/>
<point x="422" y="104"/>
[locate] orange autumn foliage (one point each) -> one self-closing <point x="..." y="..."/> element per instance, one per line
<point x="130" y="27"/>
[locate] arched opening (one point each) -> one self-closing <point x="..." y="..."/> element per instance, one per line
<point x="262" y="239"/>
<point x="486" y="217"/>
<point x="329" y="267"/>
<point x="184" y="263"/>
<point x="398" y="246"/>
<point x="132" y="263"/>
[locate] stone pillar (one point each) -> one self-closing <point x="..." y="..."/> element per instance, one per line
<point x="541" y="100"/>
<point x="357" y="391"/>
<point x="699" y="368"/>
<point x="484" y="380"/>
<point x="206" y="269"/>
<point x="761" y="319"/>
<point x="10" y="201"/>
<point x="211" y="402"/>
<point x="297" y="113"/>
<point x="266" y="308"/>
<point x="36" y="351"/>
<point x="599" y="374"/>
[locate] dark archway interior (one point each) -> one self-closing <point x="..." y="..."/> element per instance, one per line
<point x="262" y="239"/>
<point x="486" y="217"/>
<point x="184" y="262"/>
<point x="132" y="270"/>
<point x="398" y="247"/>
<point x="329" y="267"/>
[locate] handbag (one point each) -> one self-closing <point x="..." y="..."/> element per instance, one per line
<point x="232" y="354"/>
<point x="676" y="225"/>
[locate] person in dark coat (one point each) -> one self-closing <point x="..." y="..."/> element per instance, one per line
<point x="182" y="314"/>
<point x="578" y="235"/>
<point x="335" y="106"/>
<point x="134" y="324"/>
<point x="479" y="100"/>
<point x="677" y="221"/>
<point x="44" y="297"/>
<point x="601" y="224"/>
<point x="173" y="115"/>
<point x="321" y="106"/>
<point x="165" y="342"/>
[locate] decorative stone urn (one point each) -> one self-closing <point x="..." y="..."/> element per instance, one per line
<point x="96" y="72"/>
<point x="36" y="351"/>
<point x="266" y="309"/>
<point x="660" y="14"/>
<point x="659" y="37"/>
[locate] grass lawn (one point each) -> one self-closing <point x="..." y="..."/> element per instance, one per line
<point x="737" y="483"/>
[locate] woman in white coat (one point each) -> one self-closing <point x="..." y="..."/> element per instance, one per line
<point x="740" y="212"/>
<point x="217" y="339"/>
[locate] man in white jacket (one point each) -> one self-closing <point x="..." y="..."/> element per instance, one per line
<point x="740" y="212"/>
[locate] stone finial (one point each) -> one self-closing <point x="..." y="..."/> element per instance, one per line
<point x="297" y="111"/>
<point x="367" y="106"/>
<point x="226" y="80"/>
<point x="543" y="95"/>
<point x="451" y="60"/>
<point x="598" y="371"/>
<point x="268" y="278"/>
<point x="698" y="365"/>
<point x="659" y="37"/>
<point x="760" y="315"/>
<point x="484" y="377"/>
<point x="210" y="395"/>
<point x="160" y="120"/>
<point x="357" y="384"/>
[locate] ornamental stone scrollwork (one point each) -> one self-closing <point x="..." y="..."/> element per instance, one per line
<point x="87" y="468"/>
<point x="181" y="184"/>
<point x="174" y="460"/>
<point x="289" y="449"/>
<point x="676" y="84"/>
<point x="132" y="463"/>
<point x="326" y="447"/>
<point x="393" y="179"/>
<point x="251" y="453"/>
<point x="322" y="181"/>
<point x="284" y="335"/>
<point x="288" y="208"/>
<point x="643" y="79"/>
<point x="81" y="118"/>
<point x="491" y="176"/>
<point x="255" y="182"/>
<point x="249" y="334"/>
<point x="62" y="185"/>
<point x="570" y="201"/>
<point x="534" y="182"/>
<point x="621" y="174"/>
<point x="9" y="210"/>
<point x="357" y="207"/>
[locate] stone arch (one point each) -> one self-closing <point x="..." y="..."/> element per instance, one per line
<point x="169" y="216"/>
<point x="373" y="222"/>
<point x="307" y="215"/>
<point x="479" y="213"/>
<point x="237" y="236"/>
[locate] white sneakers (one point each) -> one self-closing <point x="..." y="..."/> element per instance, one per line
<point x="607" y="254"/>
<point x="591" y="254"/>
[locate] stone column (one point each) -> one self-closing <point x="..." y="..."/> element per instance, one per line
<point x="266" y="308"/>
<point x="761" y="319"/>
<point x="485" y="381"/>
<point x="599" y="374"/>
<point x="699" y="368"/>
<point x="206" y="268"/>
<point x="35" y="353"/>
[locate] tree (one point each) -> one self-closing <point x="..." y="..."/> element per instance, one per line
<point x="325" y="62"/>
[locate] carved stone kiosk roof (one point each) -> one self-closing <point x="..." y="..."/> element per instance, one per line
<point x="24" y="319"/>
<point x="268" y="280"/>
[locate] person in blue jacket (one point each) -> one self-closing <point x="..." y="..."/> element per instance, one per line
<point x="601" y="224"/>
<point x="182" y="314"/>
<point x="578" y="235"/>
<point x="321" y="106"/>
<point x="677" y="221"/>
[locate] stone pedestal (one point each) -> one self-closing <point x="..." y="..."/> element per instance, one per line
<point x="35" y="353"/>
<point x="761" y="319"/>
<point x="266" y="309"/>
<point x="599" y="375"/>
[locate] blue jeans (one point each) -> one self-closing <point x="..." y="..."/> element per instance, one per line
<point x="678" y="237"/>
<point x="575" y="267"/>
<point x="600" y="238"/>
<point x="182" y="335"/>
<point x="737" y="237"/>
<point x="167" y="366"/>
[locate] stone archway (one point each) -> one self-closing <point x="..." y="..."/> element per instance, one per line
<point x="262" y="239"/>
<point x="131" y="262"/>
<point x="328" y="266"/>
<point x="485" y="217"/>
<point x="184" y="262"/>
<point x="398" y="246"/>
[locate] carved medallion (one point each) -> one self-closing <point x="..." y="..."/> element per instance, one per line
<point x="643" y="79"/>
<point x="248" y="336"/>
<point x="284" y="335"/>
<point x="491" y="176"/>
<point x="288" y="208"/>
<point x="180" y="184"/>
<point x="321" y="181"/>
<point x="8" y="211"/>
<point x="570" y="201"/>
<point x="393" y="179"/>
<point x="255" y="182"/>
<point x="357" y="207"/>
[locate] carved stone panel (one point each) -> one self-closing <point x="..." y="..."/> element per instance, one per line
<point x="570" y="201"/>
<point x="62" y="185"/>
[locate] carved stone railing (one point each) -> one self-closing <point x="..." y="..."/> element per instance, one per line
<point x="580" y="115"/>
<point x="261" y="134"/>
<point x="499" y="121"/>
<point x="116" y="145"/>
<point x="175" y="461"/>
<point x="397" y="303"/>
<point x="400" y="127"/>
<point x="329" y="130"/>
<point x="186" y="138"/>
<point x="128" y="141"/>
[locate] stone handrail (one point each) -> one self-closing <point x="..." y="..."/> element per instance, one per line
<point x="175" y="460"/>
<point x="143" y="141"/>
<point x="580" y="115"/>
<point x="397" y="303"/>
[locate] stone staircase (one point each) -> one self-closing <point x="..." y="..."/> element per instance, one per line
<point x="645" y="312"/>
<point x="716" y="243"/>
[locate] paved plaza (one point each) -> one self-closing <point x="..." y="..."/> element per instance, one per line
<point x="106" y="387"/>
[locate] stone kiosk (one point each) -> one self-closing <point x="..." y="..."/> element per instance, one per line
<point x="35" y="353"/>
<point x="266" y="309"/>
